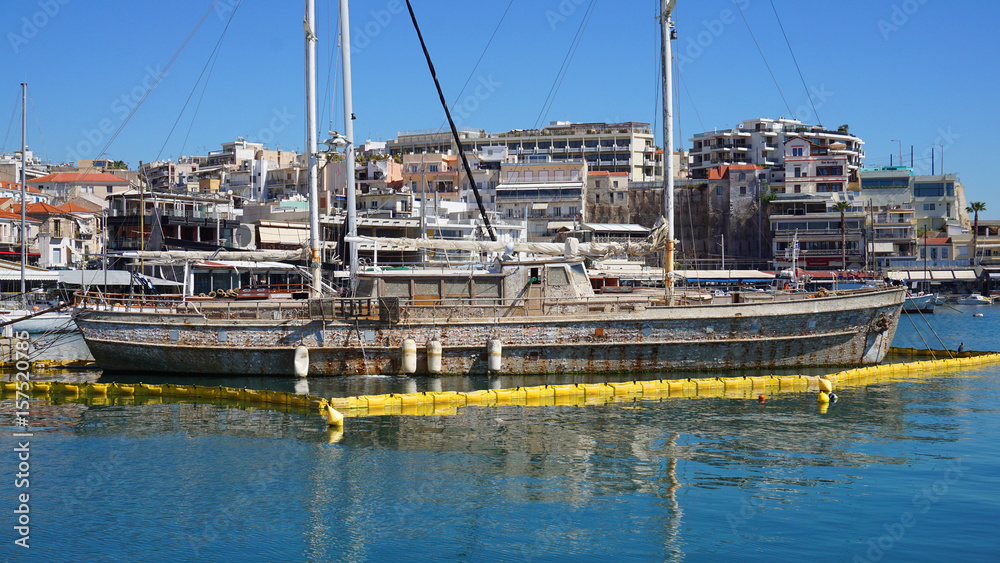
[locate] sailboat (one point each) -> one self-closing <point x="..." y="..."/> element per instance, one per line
<point x="523" y="315"/>
<point x="25" y="314"/>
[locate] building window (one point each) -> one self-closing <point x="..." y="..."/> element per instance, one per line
<point x="597" y="199"/>
<point x="743" y="189"/>
<point x="743" y="175"/>
<point x="797" y="151"/>
<point x="560" y="175"/>
<point x="944" y="253"/>
<point x="615" y="183"/>
<point x="718" y="190"/>
<point x="929" y="207"/>
<point x="432" y="168"/>
<point x="597" y="183"/>
<point x="798" y="172"/>
<point x="798" y="188"/>
<point x="621" y="196"/>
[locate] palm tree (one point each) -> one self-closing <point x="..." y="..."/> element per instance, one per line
<point x="975" y="207"/>
<point x="843" y="206"/>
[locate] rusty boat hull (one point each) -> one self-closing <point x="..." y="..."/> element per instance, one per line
<point x="622" y="335"/>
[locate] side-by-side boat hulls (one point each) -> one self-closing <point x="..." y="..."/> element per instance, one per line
<point x="519" y="317"/>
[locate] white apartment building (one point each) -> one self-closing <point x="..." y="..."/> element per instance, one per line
<point x="614" y="147"/>
<point x="547" y="196"/>
<point x="761" y="141"/>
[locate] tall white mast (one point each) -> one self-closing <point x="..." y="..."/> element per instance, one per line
<point x="315" y="263"/>
<point x="24" y="201"/>
<point x="666" y="32"/>
<point x="352" y="217"/>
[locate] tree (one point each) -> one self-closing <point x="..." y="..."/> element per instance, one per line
<point x="843" y="206"/>
<point x="845" y="129"/>
<point x="975" y="207"/>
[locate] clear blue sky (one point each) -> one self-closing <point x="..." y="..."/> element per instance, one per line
<point x="921" y="71"/>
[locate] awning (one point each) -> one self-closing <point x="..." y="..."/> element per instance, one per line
<point x="556" y="225"/>
<point x="539" y="206"/>
<point x="934" y="275"/>
<point x="994" y="276"/>
<point x="883" y="247"/>
<point x="279" y="235"/>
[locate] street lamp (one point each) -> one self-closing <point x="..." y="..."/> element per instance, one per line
<point x="900" y="150"/>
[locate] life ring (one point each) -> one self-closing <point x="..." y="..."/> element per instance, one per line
<point x="212" y="294"/>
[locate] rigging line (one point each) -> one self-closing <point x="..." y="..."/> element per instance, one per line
<point x="657" y="80"/>
<point x="804" y="87"/>
<point x="691" y="101"/>
<point x="159" y="77"/>
<point x="565" y="64"/>
<point x="13" y="114"/>
<point x="38" y="124"/>
<point x="481" y="55"/>
<point x="213" y="56"/>
<point x="329" y="62"/>
<point x="552" y="100"/>
<point x="761" y="51"/>
<point x="197" y="106"/>
<point x="336" y="115"/>
<point x="677" y="96"/>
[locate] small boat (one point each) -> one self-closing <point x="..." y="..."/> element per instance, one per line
<point x="919" y="303"/>
<point x="975" y="299"/>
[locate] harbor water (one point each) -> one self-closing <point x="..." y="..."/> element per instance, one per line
<point x="893" y="471"/>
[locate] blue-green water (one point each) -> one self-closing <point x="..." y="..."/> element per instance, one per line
<point x="895" y="471"/>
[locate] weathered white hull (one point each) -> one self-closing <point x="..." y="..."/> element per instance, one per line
<point x="843" y="330"/>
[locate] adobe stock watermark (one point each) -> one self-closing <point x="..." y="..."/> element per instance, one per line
<point x="93" y="139"/>
<point x="898" y="17"/>
<point x="923" y="501"/>
<point x="361" y="37"/>
<point x="224" y="9"/>
<point x="471" y="102"/>
<point x="30" y="26"/>
<point x="818" y="98"/>
<point x="749" y="509"/>
<point x="563" y="11"/>
<point x="227" y="517"/>
<point x="714" y="28"/>
<point x="278" y="122"/>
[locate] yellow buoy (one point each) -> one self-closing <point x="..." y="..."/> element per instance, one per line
<point x="825" y="385"/>
<point x="333" y="417"/>
<point x="823" y="398"/>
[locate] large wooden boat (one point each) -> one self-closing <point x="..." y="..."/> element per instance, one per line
<point x="538" y="316"/>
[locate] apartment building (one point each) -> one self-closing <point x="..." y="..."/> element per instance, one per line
<point x="613" y="147"/>
<point x="939" y="201"/>
<point x="548" y="196"/>
<point x="163" y="175"/>
<point x="762" y="142"/>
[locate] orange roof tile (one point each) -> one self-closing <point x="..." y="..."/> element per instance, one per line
<point x="71" y="207"/>
<point x="81" y="178"/>
<point x="598" y="173"/>
<point x="619" y="173"/>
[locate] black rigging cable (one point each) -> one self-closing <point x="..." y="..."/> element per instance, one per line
<point x="38" y="124"/>
<point x="212" y="58"/>
<point x="454" y="131"/>
<point x="564" y="68"/>
<point x="759" y="50"/>
<point x="158" y="77"/>
<point x="806" y="88"/>
<point x="481" y="55"/>
<point x="13" y="114"/>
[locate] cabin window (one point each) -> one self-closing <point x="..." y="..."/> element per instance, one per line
<point x="558" y="276"/>
<point x="397" y="288"/>
<point x="488" y="289"/>
<point x="456" y="288"/>
<point x="427" y="287"/>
